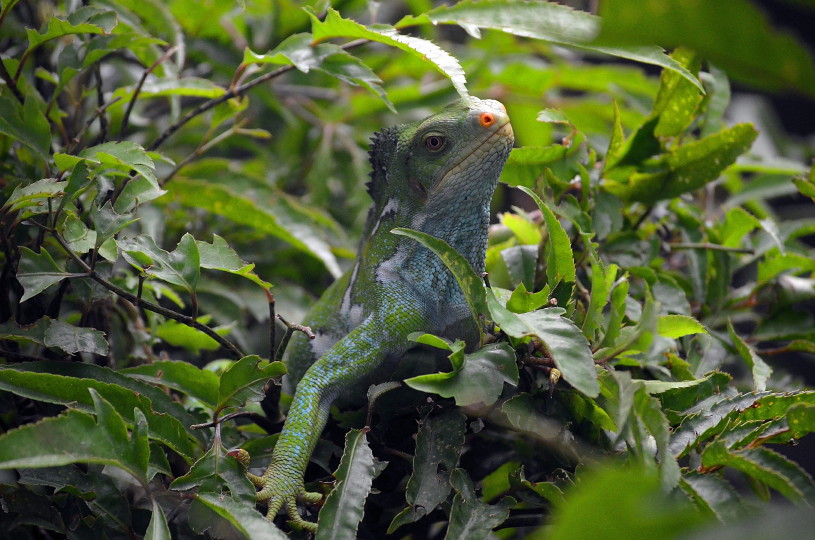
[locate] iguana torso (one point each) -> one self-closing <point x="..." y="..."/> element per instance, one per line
<point x="436" y="176"/>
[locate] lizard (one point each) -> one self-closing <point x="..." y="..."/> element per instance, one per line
<point x="437" y="176"/>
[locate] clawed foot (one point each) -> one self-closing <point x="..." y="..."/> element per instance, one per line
<point x="280" y="491"/>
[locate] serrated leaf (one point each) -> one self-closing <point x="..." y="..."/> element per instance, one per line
<point x="526" y="164"/>
<point x="35" y="195"/>
<point x="438" y="446"/>
<point x="479" y="379"/>
<point x="244" y="380"/>
<point x="180" y="267"/>
<point x="766" y="466"/>
<point x="547" y="21"/>
<point x="108" y="222"/>
<point x="78" y="437"/>
<point x="563" y="340"/>
<point x="523" y="301"/>
<point x="126" y="155"/>
<point x="216" y="471"/>
<point x="343" y="509"/>
<point x="714" y="494"/>
<point x="334" y="26"/>
<point x="559" y="257"/>
<point x="56" y="28"/>
<point x="219" y="256"/>
<point x="246" y="520"/>
<point x="38" y="271"/>
<point x="469" y="517"/>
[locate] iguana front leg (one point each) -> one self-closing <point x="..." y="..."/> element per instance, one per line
<point x="357" y="355"/>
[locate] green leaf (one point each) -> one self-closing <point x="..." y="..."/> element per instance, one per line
<point x="108" y="222"/>
<point x="219" y="256"/>
<point x="677" y="326"/>
<point x="602" y="281"/>
<point x="713" y="494"/>
<point x="523" y="301"/>
<point x="438" y="446"/>
<point x="246" y="520"/>
<point x="216" y="471"/>
<point x="35" y="195"/>
<point x="648" y="409"/>
<point x="801" y="419"/>
<point x="759" y="368"/>
<point x="180" y="267"/>
<point x="125" y="155"/>
<point x="73" y="339"/>
<point x="38" y="271"/>
<point x="68" y="384"/>
<point x="78" y="437"/>
<point x="343" y="509"/>
<point x="469" y="517"/>
<point x="56" y="28"/>
<point x="471" y="284"/>
<point x="766" y="466"/>
<point x="26" y="123"/>
<point x="244" y="380"/>
<point x="334" y="26"/>
<point x="563" y="340"/>
<point x="181" y="335"/>
<point x="526" y="164"/>
<point x="559" y="257"/>
<point x="557" y="24"/>
<point x="193" y="381"/>
<point x="805" y="185"/>
<point x="278" y="217"/>
<point x="678" y="99"/>
<point x="480" y="378"/>
<point x="183" y="86"/>
<point x="157" y="529"/>
<point x="684" y="169"/>
<point x="776" y="61"/>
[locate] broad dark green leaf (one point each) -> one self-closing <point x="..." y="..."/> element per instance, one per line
<point x="244" y="380"/>
<point x="219" y="256"/>
<point x="26" y="123"/>
<point x="438" y="446"/>
<point x="713" y="494"/>
<point x="246" y="520"/>
<point x="180" y="267"/>
<point x="562" y="339"/>
<point x="126" y="155"/>
<point x="35" y="195"/>
<point x="78" y="437"/>
<point x="344" y="506"/>
<point x="725" y="33"/>
<point x="49" y="332"/>
<point x="469" y="517"/>
<point x="480" y="379"/>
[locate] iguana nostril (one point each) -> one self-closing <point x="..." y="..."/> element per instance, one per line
<point x="486" y="119"/>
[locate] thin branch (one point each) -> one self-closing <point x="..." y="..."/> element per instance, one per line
<point x="236" y="91"/>
<point x="100" y="101"/>
<point x="99" y="110"/>
<point x="10" y="82"/>
<point x="712" y="247"/>
<point x="217" y="421"/>
<point x="180" y="317"/>
<point x="139" y="85"/>
<point x="201" y="150"/>
<point x="291" y="328"/>
<point x="272" y="321"/>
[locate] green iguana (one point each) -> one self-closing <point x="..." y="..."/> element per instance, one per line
<point x="436" y="176"/>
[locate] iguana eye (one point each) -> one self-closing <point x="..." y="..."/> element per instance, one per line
<point x="434" y="143"/>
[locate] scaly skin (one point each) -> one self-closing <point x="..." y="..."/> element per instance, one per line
<point x="436" y="176"/>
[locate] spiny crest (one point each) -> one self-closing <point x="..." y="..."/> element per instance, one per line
<point x="383" y="148"/>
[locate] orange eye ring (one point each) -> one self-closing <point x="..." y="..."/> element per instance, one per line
<point x="486" y="119"/>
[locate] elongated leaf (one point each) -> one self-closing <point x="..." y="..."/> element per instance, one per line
<point x="344" y="506"/>
<point x="548" y="21"/>
<point x="37" y="272"/>
<point x="49" y="332"/>
<point x="56" y="28"/>
<point x="776" y="61"/>
<point x="526" y="164"/>
<point x="199" y="383"/>
<point x="602" y="280"/>
<point x="560" y="259"/>
<point x="480" y="379"/>
<point x="157" y="529"/>
<point x="677" y="99"/>
<point x="276" y="217"/>
<point x="766" y="466"/>
<point x="35" y="195"/>
<point x="244" y="381"/>
<point x="563" y="340"/>
<point x="334" y="26"/>
<point x="714" y="494"/>
<point x="51" y="386"/>
<point x="246" y="520"/>
<point x="78" y="437"/>
<point x="438" y="445"/>
<point x="470" y="518"/>
<point x="649" y="411"/>
<point x="676" y="326"/>
<point x="471" y="284"/>
<point x="183" y="86"/>
<point x="219" y="256"/>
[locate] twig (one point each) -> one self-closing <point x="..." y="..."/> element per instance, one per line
<point x="231" y="93"/>
<point x="290" y="329"/>
<point x="99" y="110"/>
<point x="202" y="149"/>
<point x="100" y="101"/>
<point x="272" y="322"/>
<point x="139" y="85"/>
<point x="712" y="247"/>
<point x="220" y="420"/>
<point x="155" y="308"/>
<point x="11" y="83"/>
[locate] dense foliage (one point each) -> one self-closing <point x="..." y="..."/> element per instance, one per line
<point x="645" y="292"/>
